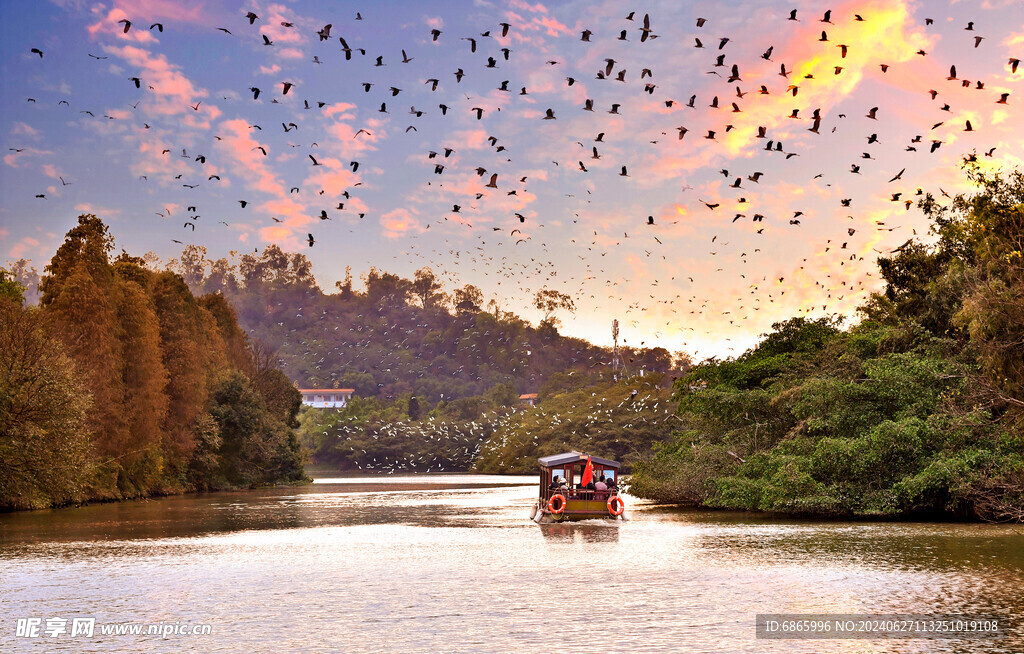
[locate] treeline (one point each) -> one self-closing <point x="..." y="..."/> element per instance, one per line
<point x="494" y="432"/>
<point x="396" y="336"/>
<point x="917" y="410"/>
<point x="122" y="383"/>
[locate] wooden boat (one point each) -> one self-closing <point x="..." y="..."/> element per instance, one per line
<point x="563" y="495"/>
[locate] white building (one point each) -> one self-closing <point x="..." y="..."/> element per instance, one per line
<point x="326" y="398"/>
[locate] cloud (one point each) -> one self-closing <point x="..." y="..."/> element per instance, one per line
<point x="109" y="26"/>
<point x="24" y="129"/>
<point x="171" y="92"/>
<point x="26" y="245"/>
<point x="12" y="158"/>
<point x="399" y="222"/>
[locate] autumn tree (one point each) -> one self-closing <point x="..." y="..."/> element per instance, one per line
<point x="192" y="350"/>
<point x="80" y="299"/>
<point x="144" y="404"/>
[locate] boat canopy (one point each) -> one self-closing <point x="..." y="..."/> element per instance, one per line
<point x="569" y="458"/>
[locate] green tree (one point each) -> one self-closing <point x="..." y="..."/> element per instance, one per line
<point x="10" y="288"/>
<point x="45" y="450"/>
<point x="427" y="288"/>
<point x="468" y="299"/>
<point x="549" y="301"/>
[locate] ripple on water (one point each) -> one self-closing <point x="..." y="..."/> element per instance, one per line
<point x="450" y="563"/>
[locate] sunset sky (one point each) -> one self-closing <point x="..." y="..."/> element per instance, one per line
<point x="703" y="280"/>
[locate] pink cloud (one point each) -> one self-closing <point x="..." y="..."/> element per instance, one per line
<point x="11" y="159"/>
<point x="27" y="245"/>
<point x="290" y="53"/>
<point x="173" y="93"/>
<point x="239" y="144"/>
<point x="23" y="129"/>
<point x="399" y="222"/>
<point x="109" y="26"/>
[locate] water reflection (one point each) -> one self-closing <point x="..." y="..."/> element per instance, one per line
<point x="452" y="563"/>
<point x="587" y="531"/>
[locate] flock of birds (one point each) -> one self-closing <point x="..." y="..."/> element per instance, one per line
<point x="503" y="435"/>
<point x="500" y="185"/>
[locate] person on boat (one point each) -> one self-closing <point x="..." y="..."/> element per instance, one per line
<point x="554" y="484"/>
<point x="601" y="485"/>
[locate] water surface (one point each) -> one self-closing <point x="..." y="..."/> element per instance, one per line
<point x="450" y="563"/>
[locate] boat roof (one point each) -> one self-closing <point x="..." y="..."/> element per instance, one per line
<point x="574" y="457"/>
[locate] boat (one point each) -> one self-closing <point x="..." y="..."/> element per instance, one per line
<point x="563" y="493"/>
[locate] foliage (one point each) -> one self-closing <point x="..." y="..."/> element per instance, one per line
<point x="617" y="420"/>
<point x="915" y="411"/>
<point x="397" y="337"/>
<point x="45" y="451"/>
<point x="153" y="359"/>
<point x="10" y="288"/>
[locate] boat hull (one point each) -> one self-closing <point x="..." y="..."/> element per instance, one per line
<point x="574" y="510"/>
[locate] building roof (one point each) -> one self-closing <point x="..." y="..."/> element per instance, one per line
<point x="528" y="396"/>
<point x="327" y="390"/>
<point x="574" y="457"/>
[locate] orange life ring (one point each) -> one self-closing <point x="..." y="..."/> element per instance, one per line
<point x="561" y="504"/>
<point x="619" y="506"/>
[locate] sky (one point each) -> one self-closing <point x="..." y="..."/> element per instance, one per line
<point x="674" y="219"/>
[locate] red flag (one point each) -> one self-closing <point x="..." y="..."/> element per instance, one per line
<point x="588" y="473"/>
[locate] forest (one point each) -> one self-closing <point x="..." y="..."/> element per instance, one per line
<point x="122" y="383"/>
<point x="388" y="336"/>
<point x="915" y="410"/>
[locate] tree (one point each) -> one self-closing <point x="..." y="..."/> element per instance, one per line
<point x="80" y="298"/>
<point x="192" y="266"/>
<point x="44" y="439"/>
<point x="88" y="243"/>
<point x="10" y="288"/>
<point x="192" y="351"/>
<point x="549" y="301"/>
<point x="255" y="448"/>
<point x="345" y="287"/>
<point x="468" y="299"/>
<point x="277" y="269"/>
<point x="26" y="275"/>
<point x="386" y="289"/>
<point x="427" y="288"/>
<point x="986" y="233"/>
<point x="221" y="278"/>
<point x="144" y="404"/>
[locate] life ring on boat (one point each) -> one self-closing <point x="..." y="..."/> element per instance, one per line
<point x="616" y="506"/>
<point x="561" y="504"/>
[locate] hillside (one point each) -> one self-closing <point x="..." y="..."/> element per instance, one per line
<point x="397" y="336"/>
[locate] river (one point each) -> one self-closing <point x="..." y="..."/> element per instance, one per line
<point x="451" y="563"/>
